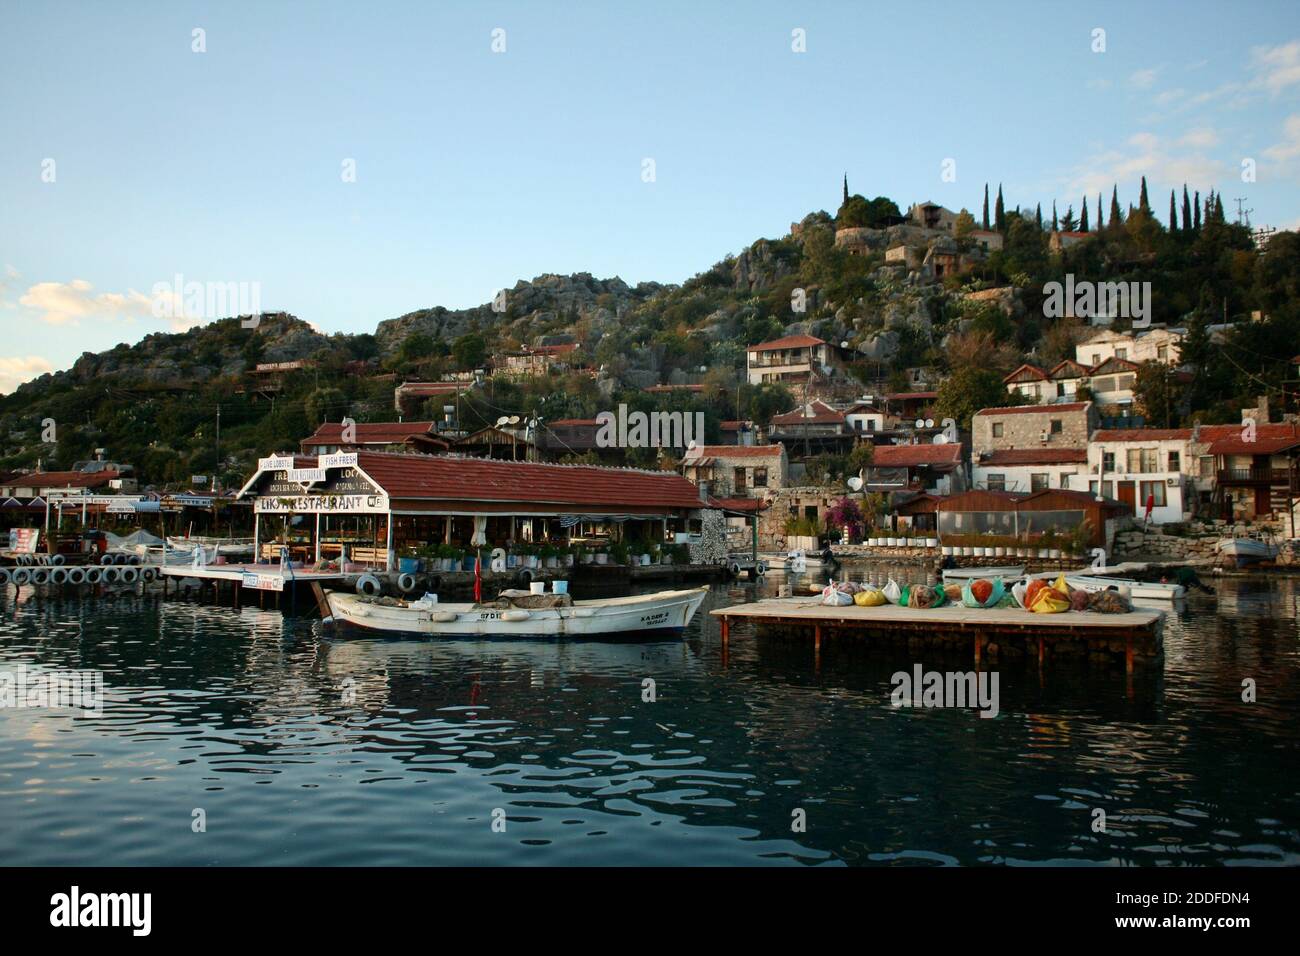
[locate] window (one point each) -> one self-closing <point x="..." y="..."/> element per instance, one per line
<point x="997" y="482"/>
<point x="1056" y="426"/>
<point x="810" y="511"/>
<point x="1065" y="480"/>
<point x="1142" y="461"/>
<point x="1038" y="482"/>
<point x="1108" y="461"/>
<point x="1108" y="493"/>
<point x="1096" y="358"/>
<point x="760" y="477"/>
<point x="740" y="479"/>
<point x="1175" y="461"/>
<point x="1162" y="353"/>
<point x="1206" y="463"/>
<point x="1126" y="381"/>
<point x="1121" y="353"/>
<point x="1155" y="490"/>
<point x="997" y="429"/>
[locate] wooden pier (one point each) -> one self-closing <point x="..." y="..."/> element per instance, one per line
<point x="989" y="633"/>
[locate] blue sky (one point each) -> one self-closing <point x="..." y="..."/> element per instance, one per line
<point x="476" y="168"/>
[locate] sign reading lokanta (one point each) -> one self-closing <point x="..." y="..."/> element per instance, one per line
<point x="262" y="582"/>
<point x="324" y="504"/>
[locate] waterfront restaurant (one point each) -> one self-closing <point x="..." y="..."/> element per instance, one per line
<point x="1025" y="517"/>
<point x="378" y="504"/>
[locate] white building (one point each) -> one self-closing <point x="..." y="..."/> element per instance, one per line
<point x="1140" y="464"/>
<point x="1031" y="469"/>
<point x="1155" y="345"/>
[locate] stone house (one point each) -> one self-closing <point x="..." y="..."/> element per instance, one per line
<point x="1057" y="435"/>
<point x="1156" y="345"/>
<point x="923" y="467"/>
<point x="736" y="471"/>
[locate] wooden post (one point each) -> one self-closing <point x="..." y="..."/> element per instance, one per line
<point x="978" y="650"/>
<point x="324" y="605"/>
<point x="1128" y="653"/>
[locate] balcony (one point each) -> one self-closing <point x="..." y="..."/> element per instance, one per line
<point x="1255" y="476"/>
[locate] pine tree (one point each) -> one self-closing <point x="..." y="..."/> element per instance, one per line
<point x="1143" y="204"/>
<point x="1038" y="216"/>
<point x="1116" y="217"/>
<point x="999" y="213"/>
<point x="1055" y="225"/>
<point x="1187" y="211"/>
<point x="985" y="225"/>
<point x="1173" y="210"/>
<point x="1067" y="224"/>
<point x="1196" y="212"/>
<point x="1083" y="216"/>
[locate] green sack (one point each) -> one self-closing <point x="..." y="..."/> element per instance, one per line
<point x="999" y="591"/>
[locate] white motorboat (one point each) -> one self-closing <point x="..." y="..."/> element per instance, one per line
<point x="970" y="574"/>
<point x="1247" y="550"/>
<point x="662" y="614"/>
<point x="1145" y="590"/>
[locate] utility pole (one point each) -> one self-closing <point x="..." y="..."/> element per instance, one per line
<point x="216" y="474"/>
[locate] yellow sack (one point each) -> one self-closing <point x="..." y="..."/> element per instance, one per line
<point x="1050" y="600"/>
<point x="869" y="598"/>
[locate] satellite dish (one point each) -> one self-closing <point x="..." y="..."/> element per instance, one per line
<point x="941" y="439"/>
<point x="855" y="483"/>
<point x="844" y="344"/>
<point x="929" y="423"/>
<point x="513" y="420"/>
<point x="503" y="420"/>
<point x="920" y="423"/>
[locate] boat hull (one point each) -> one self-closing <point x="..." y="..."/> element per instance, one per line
<point x="643" y="617"/>
<point x="971" y="574"/>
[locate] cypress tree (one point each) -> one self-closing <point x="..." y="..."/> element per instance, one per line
<point x="1055" y="226"/>
<point x="1083" y="216"/>
<point x="1143" y="204"/>
<point x="1187" y="211"/>
<point x="1101" y="224"/>
<point x="985" y="226"/>
<point x="1116" y="217"/>
<point x="1196" y="212"/>
<point x="998" y="212"/>
<point x="1173" y="210"/>
<point x="1038" y="215"/>
<point x="846" y="187"/>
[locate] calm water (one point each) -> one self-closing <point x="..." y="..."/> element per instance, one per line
<point x="246" y="715"/>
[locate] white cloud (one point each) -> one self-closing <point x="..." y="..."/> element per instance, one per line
<point x="1284" y="154"/>
<point x="1144" y="79"/>
<point x="1165" y="163"/>
<point x="1169" y="97"/>
<point x="16" y="370"/>
<point x="1201" y="137"/>
<point x="63" y="303"/>
<point x="1276" y="67"/>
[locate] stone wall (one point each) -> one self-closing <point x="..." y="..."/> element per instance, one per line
<point x="1024" y="429"/>
<point x="1192" y="542"/>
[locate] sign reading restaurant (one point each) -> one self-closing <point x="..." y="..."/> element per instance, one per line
<point x="344" y="490"/>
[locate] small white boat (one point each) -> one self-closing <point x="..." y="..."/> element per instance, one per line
<point x="970" y="574"/>
<point x="658" y="615"/>
<point x="1136" y="589"/>
<point x="1246" y="550"/>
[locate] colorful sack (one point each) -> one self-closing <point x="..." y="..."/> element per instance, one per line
<point x="925" y="596"/>
<point x="891" y="592"/>
<point x="869" y="597"/>
<point x="1018" y="594"/>
<point x="996" y="592"/>
<point x="1048" y="600"/>
<point x="1108" y="602"/>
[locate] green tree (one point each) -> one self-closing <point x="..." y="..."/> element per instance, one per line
<point x="968" y="390"/>
<point x="469" y="351"/>
<point x="1158" y="394"/>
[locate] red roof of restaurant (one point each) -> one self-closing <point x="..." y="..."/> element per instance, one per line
<point x="63" y="479"/>
<point x="788" y="342"/>
<point x="820" y="414"/>
<point x="904" y="396"/>
<point x="912" y="456"/>
<point x="369" y="433"/>
<point x="739" y="504"/>
<point x="1035" y="456"/>
<point x="1034" y="409"/>
<point x="485" y="479"/>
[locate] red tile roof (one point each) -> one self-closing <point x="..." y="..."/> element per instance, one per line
<point x="736" y="451"/>
<point x="369" y="433"/>
<point x="657" y="389"/>
<point x="789" y="342"/>
<point x="1142" y="434"/>
<point x="1035" y="456"/>
<point x="904" y="396"/>
<point x="1030" y="372"/>
<point x="821" y="414"/>
<point x="63" y="479"/>
<point x="1033" y="409"/>
<point x="531" y="484"/>
<point x="913" y="456"/>
<point x="574" y="422"/>
<point x="1061" y="368"/>
<point x="1269" y="439"/>
<point x="739" y="504"/>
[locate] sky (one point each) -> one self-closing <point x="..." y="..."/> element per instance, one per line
<point x="352" y="162"/>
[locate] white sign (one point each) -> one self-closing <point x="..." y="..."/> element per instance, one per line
<point x="324" y="504"/>
<point x="121" y="507"/>
<point x="262" y="582"/>
<point x="275" y="463"/>
<point x="23" y="540"/>
<point x="198" y="479"/>
<point x="306" y="476"/>
<point x="339" y="460"/>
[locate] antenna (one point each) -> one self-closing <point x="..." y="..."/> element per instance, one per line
<point x="1242" y="214"/>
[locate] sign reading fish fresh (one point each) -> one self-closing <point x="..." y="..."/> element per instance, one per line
<point x="324" y="504"/>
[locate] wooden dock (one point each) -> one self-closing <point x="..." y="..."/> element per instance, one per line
<point x="988" y="632"/>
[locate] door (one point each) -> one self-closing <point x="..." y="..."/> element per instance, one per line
<point x="1126" y="491"/>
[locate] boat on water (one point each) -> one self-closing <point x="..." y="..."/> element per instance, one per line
<point x="1246" y="551"/>
<point x="1149" y="591"/>
<point x="642" y="616"/>
<point x="970" y="574"/>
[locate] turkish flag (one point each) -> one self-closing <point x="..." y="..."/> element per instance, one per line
<point x="478" y="577"/>
<point x="1151" y="503"/>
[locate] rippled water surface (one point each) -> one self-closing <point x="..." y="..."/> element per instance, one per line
<point x="303" y="748"/>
